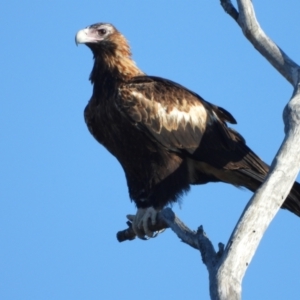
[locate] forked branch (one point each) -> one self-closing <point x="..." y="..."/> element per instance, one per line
<point x="227" y="268"/>
<point x="266" y="202"/>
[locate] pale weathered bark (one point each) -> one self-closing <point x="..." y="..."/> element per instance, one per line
<point x="266" y="202"/>
<point x="227" y="267"/>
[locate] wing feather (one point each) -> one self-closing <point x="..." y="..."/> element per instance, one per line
<point x="171" y="114"/>
<point x="180" y="120"/>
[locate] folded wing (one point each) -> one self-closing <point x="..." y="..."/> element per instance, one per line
<point x="171" y="114"/>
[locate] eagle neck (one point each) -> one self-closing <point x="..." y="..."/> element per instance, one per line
<point x="114" y="67"/>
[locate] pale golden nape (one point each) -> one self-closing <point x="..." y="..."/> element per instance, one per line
<point x="121" y="58"/>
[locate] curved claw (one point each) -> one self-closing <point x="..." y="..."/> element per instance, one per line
<point x="140" y="221"/>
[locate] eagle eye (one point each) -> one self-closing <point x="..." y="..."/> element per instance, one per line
<point x="102" y="31"/>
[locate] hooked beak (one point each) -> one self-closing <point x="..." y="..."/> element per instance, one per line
<point x="85" y="36"/>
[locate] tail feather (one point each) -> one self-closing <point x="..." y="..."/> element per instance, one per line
<point x="254" y="180"/>
<point x="292" y="202"/>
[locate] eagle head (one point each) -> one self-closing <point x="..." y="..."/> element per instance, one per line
<point x="103" y="37"/>
<point x="111" y="50"/>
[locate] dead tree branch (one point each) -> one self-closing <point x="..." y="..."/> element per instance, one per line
<point x="230" y="9"/>
<point x="196" y="239"/>
<point x="228" y="266"/>
<point x="266" y="202"/>
<point x="245" y="17"/>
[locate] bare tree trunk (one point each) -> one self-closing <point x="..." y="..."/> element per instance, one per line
<point x="227" y="267"/>
<point x="266" y="202"/>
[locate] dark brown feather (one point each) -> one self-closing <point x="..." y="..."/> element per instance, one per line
<point x="165" y="136"/>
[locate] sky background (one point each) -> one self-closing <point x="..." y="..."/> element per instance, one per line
<point x="63" y="197"/>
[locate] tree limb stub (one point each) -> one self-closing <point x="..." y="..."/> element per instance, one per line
<point x="246" y="19"/>
<point x="230" y="9"/>
<point x="167" y="219"/>
<point x="196" y="239"/>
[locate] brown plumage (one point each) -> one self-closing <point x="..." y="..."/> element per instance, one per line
<point x="165" y="136"/>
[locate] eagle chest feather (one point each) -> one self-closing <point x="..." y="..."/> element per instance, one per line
<point x="119" y="136"/>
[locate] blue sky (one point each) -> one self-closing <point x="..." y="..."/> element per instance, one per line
<point x="63" y="196"/>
